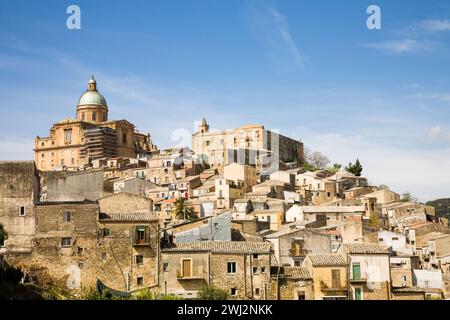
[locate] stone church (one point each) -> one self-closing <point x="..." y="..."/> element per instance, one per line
<point x="74" y="143"/>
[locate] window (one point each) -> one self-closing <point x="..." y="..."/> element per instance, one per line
<point x="207" y="143"/>
<point x="356" y="268"/>
<point x="124" y="139"/>
<point x="255" y="270"/>
<point x="394" y="238"/>
<point x="67" y="216"/>
<point x="166" y="267"/>
<point x="257" y="291"/>
<point x="380" y="240"/>
<point x="105" y="232"/>
<point x="68" y="136"/>
<point x="140" y="235"/>
<point x="43" y="155"/>
<point x="66" y="242"/>
<point x="328" y="194"/>
<point x="83" y="116"/>
<point x="139" y="259"/>
<point x="140" y="281"/>
<point x="255" y="256"/>
<point x="81" y="265"/>
<point x="263" y="269"/>
<point x="94" y="116"/>
<point x="231" y="267"/>
<point x="22" y="211"/>
<point x="104" y="256"/>
<point x="62" y="162"/>
<point x="233" y="292"/>
<point x="72" y="161"/>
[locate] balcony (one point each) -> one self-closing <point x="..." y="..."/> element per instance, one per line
<point x="331" y="287"/>
<point x="191" y="277"/>
<point x="358" y="279"/>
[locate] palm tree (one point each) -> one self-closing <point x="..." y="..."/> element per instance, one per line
<point x="183" y="209"/>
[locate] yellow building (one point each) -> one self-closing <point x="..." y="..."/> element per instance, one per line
<point x="73" y="143"/>
<point x="250" y="145"/>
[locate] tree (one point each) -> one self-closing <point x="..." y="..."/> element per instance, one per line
<point x="383" y="187"/>
<point x="356" y="168"/>
<point x="335" y="168"/>
<point x="210" y="292"/>
<point x="3" y="235"/>
<point x="318" y="160"/>
<point x="408" y="197"/>
<point x="184" y="210"/>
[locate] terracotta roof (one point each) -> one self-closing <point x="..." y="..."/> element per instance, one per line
<point x="222" y="246"/>
<point x="323" y="260"/>
<point x="299" y="273"/>
<point x="128" y="217"/>
<point x="367" y="248"/>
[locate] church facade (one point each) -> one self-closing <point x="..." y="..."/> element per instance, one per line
<point x="75" y="142"/>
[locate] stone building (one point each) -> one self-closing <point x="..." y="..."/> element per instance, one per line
<point x="19" y="193"/>
<point x="75" y="142"/>
<point x="291" y="283"/>
<point x="250" y="145"/>
<point x="241" y="268"/>
<point x="74" y="245"/>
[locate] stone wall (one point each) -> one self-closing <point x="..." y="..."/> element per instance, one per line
<point x="19" y="187"/>
<point x="125" y="202"/>
<point x="73" y="186"/>
<point x="245" y="281"/>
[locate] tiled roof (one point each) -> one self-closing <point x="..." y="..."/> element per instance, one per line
<point x="300" y="273"/>
<point x="416" y="289"/>
<point x="222" y="246"/>
<point x="333" y="209"/>
<point x="358" y="248"/>
<point x="128" y="217"/>
<point x="323" y="260"/>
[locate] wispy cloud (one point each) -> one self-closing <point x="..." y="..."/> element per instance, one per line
<point x="272" y="27"/>
<point x="435" y="25"/>
<point x="403" y="46"/>
<point x="283" y="28"/>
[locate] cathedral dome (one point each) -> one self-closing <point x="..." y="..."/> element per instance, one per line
<point x="92" y="96"/>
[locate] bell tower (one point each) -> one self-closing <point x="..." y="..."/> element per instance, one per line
<point x="203" y="127"/>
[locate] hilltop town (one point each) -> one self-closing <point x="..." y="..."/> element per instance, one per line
<point x="243" y="211"/>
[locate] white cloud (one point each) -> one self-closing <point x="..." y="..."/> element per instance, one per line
<point x="435" y="25"/>
<point x="436" y="133"/>
<point x="425" y="173"/>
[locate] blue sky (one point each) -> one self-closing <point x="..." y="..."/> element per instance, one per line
<point x="310" y="69"/>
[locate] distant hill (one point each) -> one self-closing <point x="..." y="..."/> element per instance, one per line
<point x="442" y="207"/>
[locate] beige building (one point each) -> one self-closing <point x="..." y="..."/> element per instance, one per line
<point x="227" y="191"/>
<point x="75" y="142"/>
<point x="241" y="268"/>
<point x="329" y="274"/>
<point x="250" y="144"/>
<point x="245" y="173"/>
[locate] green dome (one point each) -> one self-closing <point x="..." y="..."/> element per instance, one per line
<point x="92" y="98"/>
